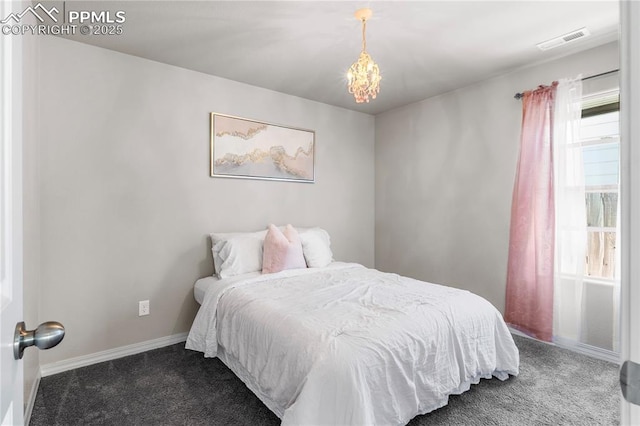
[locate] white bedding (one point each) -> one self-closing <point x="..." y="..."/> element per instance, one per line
<point x="350" y="345"/>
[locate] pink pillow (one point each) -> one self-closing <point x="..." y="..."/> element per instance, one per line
<point x="282" y="250"/>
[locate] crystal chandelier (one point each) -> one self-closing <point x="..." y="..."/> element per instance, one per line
<point x="364" y="76"/>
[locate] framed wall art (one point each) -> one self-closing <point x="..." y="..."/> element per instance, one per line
<point x="250" y="149"/>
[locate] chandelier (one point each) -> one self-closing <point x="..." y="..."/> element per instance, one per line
<point x="364" y="76"/>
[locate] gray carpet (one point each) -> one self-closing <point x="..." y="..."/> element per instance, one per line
<point x="173" y="386"/>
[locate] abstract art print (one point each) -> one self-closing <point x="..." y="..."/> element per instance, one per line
<point x="244" y="148"/>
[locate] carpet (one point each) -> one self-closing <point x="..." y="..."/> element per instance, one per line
<point x="174" y="386"/>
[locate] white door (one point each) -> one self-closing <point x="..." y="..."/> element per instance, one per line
<point x="630" y="191"/>
<point x="11" y="394"/>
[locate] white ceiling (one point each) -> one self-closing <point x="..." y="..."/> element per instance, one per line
<point x="304" y="48"/>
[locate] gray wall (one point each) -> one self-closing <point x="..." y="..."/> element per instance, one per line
<point x="122" y="201"/>
<point x="126" y="202"/>
<point x="444" y="177"/>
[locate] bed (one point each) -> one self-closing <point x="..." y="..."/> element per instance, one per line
<point x="344" y="344"/>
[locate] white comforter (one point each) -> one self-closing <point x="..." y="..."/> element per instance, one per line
<point x="350" y="345"/>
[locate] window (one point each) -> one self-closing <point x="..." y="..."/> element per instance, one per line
<point x="600" y="140"/>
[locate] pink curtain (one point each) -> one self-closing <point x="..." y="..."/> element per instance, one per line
<point x="529" y="298"/>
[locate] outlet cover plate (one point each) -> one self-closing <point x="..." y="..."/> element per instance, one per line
<point x="143" y="308"/>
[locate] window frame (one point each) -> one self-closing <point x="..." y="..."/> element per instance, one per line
<point x="592" y="111"/>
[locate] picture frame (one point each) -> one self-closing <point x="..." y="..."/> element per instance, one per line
<point x="251" y="149"/>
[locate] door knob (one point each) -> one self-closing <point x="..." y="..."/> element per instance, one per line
<point x="47" y="335"/>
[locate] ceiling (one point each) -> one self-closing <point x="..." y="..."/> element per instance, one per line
<point x="304" y="48"/>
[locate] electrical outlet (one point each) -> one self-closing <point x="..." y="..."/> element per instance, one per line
<point x="143" y="308"/>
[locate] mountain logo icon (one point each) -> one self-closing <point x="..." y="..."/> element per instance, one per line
<point x="16" y="17"/>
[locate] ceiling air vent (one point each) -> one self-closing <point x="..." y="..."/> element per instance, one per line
<point x="563" y="39"/>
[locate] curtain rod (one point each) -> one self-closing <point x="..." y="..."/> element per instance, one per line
<point x="520" y="95"/>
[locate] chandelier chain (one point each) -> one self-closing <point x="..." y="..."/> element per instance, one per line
<point x="364" y="36"/>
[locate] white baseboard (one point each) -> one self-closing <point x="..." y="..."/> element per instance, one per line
<point x="582" y="348"/>
<point x="108" y="355"/>
<point x="589" y="350"/>
<point x="28" y="409"/>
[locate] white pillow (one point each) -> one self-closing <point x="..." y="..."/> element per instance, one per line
<point x="237" y="253"/>
<point x="316" y="247"/>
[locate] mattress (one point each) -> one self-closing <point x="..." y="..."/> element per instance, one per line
<point x="201" y="286"/>
<point x="351" y="345"/>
